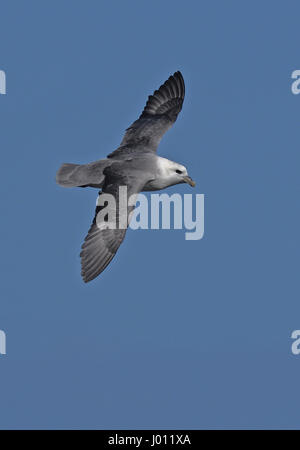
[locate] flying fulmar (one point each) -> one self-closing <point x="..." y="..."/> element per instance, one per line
<point x="133" y="164"/>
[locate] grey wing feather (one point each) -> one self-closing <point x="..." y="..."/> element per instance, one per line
<point x="101" y="245"/>
<point x="159" y="114"/>
<point x="98" y="251"/>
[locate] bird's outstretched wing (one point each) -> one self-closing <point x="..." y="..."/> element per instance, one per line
<point x="101" y="243"/>
<point x="160" y="112"/>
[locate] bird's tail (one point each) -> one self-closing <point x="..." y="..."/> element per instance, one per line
<point x="82" y="175"/>
<point x="66" y="175"/>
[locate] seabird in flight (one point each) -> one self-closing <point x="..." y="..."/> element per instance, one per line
<point x="133" y="164"/>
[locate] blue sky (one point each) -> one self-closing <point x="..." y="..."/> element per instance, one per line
<point x="175" y="333"/>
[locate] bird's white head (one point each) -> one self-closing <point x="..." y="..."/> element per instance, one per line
<point x="174" y="173"/>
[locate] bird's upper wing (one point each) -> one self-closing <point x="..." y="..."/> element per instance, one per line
<point x="160" y="112"/>
<point x="101" y="243"/>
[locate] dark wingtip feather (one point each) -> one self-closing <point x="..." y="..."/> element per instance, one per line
<point x="173" y="89"/>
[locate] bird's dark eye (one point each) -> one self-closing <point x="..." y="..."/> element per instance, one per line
<point x="179" y="171"/>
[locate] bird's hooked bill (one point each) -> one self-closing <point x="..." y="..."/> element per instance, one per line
<point x="189" y="181"/>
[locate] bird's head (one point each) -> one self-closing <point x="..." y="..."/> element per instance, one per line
<point x="176" y="173"/>
<point x="180" y="173"/>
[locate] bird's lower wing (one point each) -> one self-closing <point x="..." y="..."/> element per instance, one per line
<point x="98" y="249"/>
<point x="101" y="243"/>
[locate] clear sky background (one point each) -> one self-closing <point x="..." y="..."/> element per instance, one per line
<point x="175" y="333"/>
